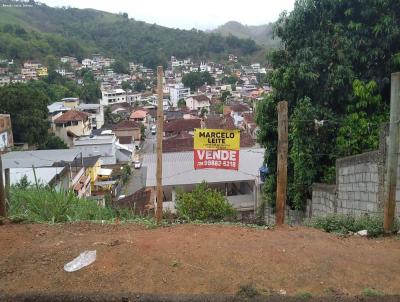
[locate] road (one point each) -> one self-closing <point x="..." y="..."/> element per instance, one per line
<point x="137" y="179"/>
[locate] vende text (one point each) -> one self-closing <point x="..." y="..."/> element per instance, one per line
<point x="221" y="159"/>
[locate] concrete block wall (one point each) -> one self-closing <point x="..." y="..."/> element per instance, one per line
<point x="358" y="184"/>
<point x="324" y="199"/>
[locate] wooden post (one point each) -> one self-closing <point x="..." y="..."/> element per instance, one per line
<point x="2" y="192"/>
<point x="392" y="156"/>
<point x="281" y="187"/>
<point x="160" y="124"/>
<point x="7" y="183"/>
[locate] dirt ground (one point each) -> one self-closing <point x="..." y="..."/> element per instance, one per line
<point x="194" y="259"/>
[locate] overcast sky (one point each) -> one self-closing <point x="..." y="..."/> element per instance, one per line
<point x="201" y="14"/>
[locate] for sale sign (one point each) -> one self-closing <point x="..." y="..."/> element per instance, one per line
<point x="216" y="149"/>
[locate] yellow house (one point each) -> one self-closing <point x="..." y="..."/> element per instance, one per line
<point x="93" y="166"/>
<point x="42" y="72"/>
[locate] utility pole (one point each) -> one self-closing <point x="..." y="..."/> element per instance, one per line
<point x="2" y="192"/>
<point x="393" y="153"/>
<point x="160" y="124"/>
<point x="281" y="187"/>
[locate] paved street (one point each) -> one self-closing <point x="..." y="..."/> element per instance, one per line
<point x="137" y="179"/>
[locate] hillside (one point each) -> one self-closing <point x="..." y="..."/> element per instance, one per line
<point x="262" y="34"/>
<point x="40" y="31"/>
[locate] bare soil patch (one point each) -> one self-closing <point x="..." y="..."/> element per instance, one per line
<point x="194" y="260"/>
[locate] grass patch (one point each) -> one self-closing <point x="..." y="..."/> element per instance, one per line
<point x="370" y="292"/>
<point x="45" y="205"/>
<point x="247" y="291"/>
<point x="343" y="224"/>
<point x="304" y="295"/>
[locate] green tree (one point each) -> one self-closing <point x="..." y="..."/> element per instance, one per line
<point x="181" y="103"/>
<point x="203" y="203"/>
<point x="225" y="95"/>
<point x="53" y="142"/>
<point x="120" y="67"/>
<point x="194" y="80"/>
<point x="28" y="109"/>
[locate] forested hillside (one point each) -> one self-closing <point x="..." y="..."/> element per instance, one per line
<point x="334" y="68"/>
<point x="261" y="34"/>
<point x="42" y="31"/>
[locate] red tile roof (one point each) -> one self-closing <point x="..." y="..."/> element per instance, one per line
<point x="246" y="141"/>
<point x="126" y="125"/>
<point x="179" y="143"/>
<point x="182" y="125"/>
<point x="201" y="98"/>
<point x="125" y="140"/>
<point x="240" y="107"/>
<point x="72" y="116"/>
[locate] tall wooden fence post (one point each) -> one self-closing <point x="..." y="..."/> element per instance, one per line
<point x="281" y="187"/>
<point x="2" y="192"/>
<point x="160" y="124"/>
<point x="392" y="157"/>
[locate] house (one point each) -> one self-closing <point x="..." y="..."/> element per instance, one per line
<point x="42" y="72"/>
<point x="128" y="129"/>
<point x="241" y="188"/>
<point x="71" y="124"/>
<point x="139" y="116"/>
<point x="122" y="109"/>
<point x="249" y="124"/>
<point x="52" y="167"/>
<point x="179" y="143"/>
<point x="56" y="109"/>
<point x="177" y="93"/>
<point x="112" y="96"/>
<point x="198" y="102"/>
<point x="237" y="110"/>
<point x="96" y="114"/>
<point x="98" y="145"/>
<point x="29" y="73"/>
<point x="6" y="134"/>
<point x="181" y="126"/>
<point x="71" y="102"/>
<point x="55" y="177"/>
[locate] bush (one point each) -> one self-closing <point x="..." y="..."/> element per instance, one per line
<point x="49" y="205"/>
<point x="344" y="224"/>
<point x="203" y="203"/>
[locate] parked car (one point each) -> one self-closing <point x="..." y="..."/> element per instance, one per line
<point x="153" y="129"/>
<point x="137" y="164"/>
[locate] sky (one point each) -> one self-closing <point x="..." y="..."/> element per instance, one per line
<point x="202" y="14"/>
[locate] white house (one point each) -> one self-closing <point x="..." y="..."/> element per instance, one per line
<point x="241" y="188"/>
<point x="178" y="92"/>
<point x="112" y="96"/>
<point x="96" y="114"/>
<point x="198" y="102"/>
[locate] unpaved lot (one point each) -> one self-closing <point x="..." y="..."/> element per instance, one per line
<point x="194" y="259"/>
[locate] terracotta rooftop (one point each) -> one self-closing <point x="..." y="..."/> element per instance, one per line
<point x="182" y="125"/>
<point x="180" y="143"/>
<point x="125" y="140"/>
<point x="240" y="107"/>
<point x="201" y="98"/>
<point x="139" y="114"/>
<point x="71" y="116"/>
<point x="126" y="125"/>
<point x="246" y="141"/>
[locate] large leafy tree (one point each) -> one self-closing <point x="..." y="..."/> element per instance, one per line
<point x="28" y="109"/>
<point x="333" y="69"/>
<point x="194" y="80"/>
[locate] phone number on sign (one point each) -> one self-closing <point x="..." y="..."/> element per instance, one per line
<point x="217" y="163"/>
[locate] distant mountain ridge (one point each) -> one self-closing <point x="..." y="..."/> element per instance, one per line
<point x="262" y="34"/>
<point x="41" y="31"/>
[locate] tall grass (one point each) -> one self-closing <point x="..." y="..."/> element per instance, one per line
<point x="48" y="205"/>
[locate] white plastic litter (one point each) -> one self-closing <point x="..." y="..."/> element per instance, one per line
<point x="362" y="233"/>
<point x="84" y="259"/>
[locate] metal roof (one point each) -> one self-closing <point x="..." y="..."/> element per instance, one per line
<point x="178" y="169"/>
<point x="44" y="175"/>
<point x="38" y="158"/>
